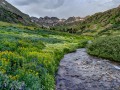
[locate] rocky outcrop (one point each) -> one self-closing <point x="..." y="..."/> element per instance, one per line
<point x="46" y="21"/>
<point x="54" y="21"/>
<point x="79" y="71"/>
<point x="74" y="19"/>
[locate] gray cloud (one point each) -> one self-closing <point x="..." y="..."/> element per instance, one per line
<point x="50" y="4"/>
<point x="24" y="2"/>
<point x="63" y="8"/>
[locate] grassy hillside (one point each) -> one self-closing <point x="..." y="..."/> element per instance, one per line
<point x="8" y="7"/>
<point x="106" y="47"/>
<point x="8" y="16"/>
<point x="29" y="57"/>
<point x="104" y="23"/>
<point x="9" y="13"/>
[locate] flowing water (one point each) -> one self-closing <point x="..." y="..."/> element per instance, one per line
<point x="80" y="71"/>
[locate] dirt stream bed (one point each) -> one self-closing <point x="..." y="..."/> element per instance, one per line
<point x="80" y="71"/>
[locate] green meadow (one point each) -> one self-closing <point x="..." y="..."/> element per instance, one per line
<point x="29" y="57"/>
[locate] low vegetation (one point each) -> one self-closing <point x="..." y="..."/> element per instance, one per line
<point x="29" y="57"/>
<point x="106" y="47"/>
<point x="8" y="16"/>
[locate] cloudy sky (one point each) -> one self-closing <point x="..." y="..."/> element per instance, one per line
<point x="63" y="8"/>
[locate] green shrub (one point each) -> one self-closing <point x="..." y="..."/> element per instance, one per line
<point x="106" y="47"/>
<point x="31" y="79"/>
<point x="10" y="61"/>
<point x="83" y="43"/>
<point x="7" y="84"/>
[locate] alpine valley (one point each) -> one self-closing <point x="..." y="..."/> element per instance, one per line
<point x="34" y="51"/>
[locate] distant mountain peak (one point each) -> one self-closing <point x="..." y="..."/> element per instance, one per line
<point x="53" y="21"/>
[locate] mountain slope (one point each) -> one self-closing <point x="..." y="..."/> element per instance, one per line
<point x="12" y="14"/>
<point x="103" y="23"/>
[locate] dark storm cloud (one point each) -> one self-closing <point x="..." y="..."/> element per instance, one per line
<point x="49" y="4"/>
<point x="25" y="2"/>
<point x="63" y="8"/>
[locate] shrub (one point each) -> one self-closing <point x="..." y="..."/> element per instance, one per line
<point x="10" y="61"/>
<point x="83" y="43"/>
<point x="106" y="47"/>
<point x="7" y="84"/>
<point x="31" y="79"/>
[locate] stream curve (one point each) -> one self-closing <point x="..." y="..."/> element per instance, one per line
<point x="80" y="71"/>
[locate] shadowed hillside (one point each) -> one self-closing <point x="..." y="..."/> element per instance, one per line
<point x="9" y="13"/>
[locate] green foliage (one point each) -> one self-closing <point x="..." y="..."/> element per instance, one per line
<point x="29" y="57"/>
<point x="83" y="43"/>
<point x="8" y="16"/>
<point x="106" y="47"/>
<point x="7" y="84"/>
<point x="10" y="61"/>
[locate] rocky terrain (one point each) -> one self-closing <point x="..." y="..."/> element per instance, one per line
<point x="79" y="71"/>
<point x="54" y="21"/>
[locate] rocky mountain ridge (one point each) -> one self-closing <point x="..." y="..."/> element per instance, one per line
<point x="54" y="21"/>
